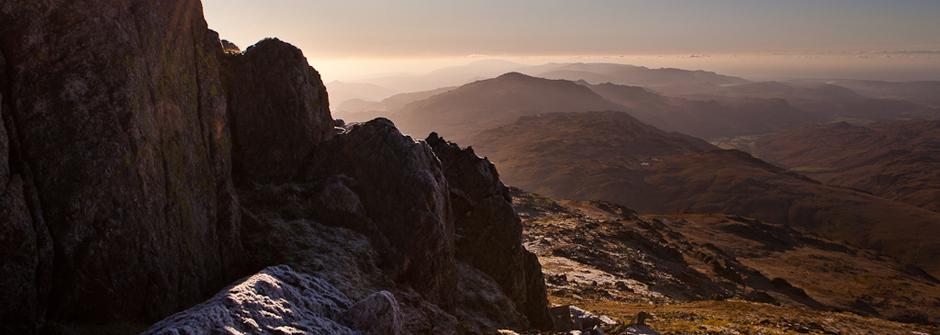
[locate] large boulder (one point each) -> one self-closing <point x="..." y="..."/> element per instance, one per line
<point x="489" y="233"/>
<point x="279" y="110"/>
<point x="117" y="113"/>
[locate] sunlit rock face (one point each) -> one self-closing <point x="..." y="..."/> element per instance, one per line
<point x="278" y="107"/>
<point x="280" y="300"/>
<point x="115" y="116"/>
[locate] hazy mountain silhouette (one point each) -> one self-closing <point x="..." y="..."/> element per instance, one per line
<point x="358" y="110"/>
<point x="826" y="101"/>
<point x="448" y="76"/>
<point x="712" y="118"/>
<point x="925" y="92"/>
<point x="899" y="161"/>
<point x="343" y="91"/>
<point x="485" y="104"/>
<point x="598" y="73"/>
<point x="600" y="156"/>
<point x="471" y="108"/>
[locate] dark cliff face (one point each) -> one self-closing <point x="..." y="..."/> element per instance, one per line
<point x="116" y="117"/>
<point x="25" y="244"/>
<point x="489" y="233"/>
<point x="278" y="108"/>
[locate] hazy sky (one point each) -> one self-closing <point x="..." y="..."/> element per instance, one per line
<point x="334" y="32"/>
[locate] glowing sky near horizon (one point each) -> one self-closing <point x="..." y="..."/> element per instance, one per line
<point x="341" y="33"/>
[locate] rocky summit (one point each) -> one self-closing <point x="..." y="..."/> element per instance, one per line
<point x="144" y="167"/>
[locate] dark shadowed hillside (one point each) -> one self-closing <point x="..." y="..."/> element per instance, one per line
<point x="899" y="161"/>
<point x="570" y="154"/>
<point x="552" y="155"/>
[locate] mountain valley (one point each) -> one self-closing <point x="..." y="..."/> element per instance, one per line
<point x="156" y="179"/>
<point x="611" y="156"/>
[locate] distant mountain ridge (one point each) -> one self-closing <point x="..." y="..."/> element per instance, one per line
<point x="704" y="110"/>
<point x="599" y="73"/>
<point x="469" y="109"/>
<point x="485" y="104"/>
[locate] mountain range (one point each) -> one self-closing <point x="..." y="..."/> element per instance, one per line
<point x="706" y="110"/>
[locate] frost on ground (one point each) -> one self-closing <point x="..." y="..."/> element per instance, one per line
<point x="275" y="300"/>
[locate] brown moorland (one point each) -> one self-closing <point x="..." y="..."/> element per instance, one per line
<point x="719" y="272"/>
<point x="899" y="160"/>
<point x="607" y="156"/>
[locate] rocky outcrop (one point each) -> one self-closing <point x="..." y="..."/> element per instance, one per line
<point x="115" y="116"/>
<point x="489" y="233"/>
<point x="276" y="300"/>
<point x="278" y="108"/>
<point x="404" y="210"/>
<point x="401" y="186"/>
<point x="123" y="124"/>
